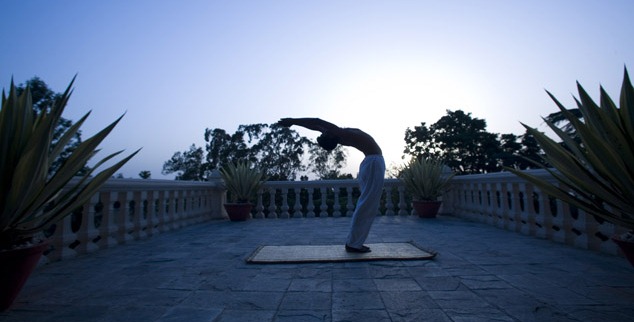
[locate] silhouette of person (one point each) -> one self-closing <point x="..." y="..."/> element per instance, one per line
<point x="371" y="173"/>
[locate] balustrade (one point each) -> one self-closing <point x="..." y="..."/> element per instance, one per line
<point x="130" y="209"/>
<point x="324" y="198"/>
<point x="507" y="201"/>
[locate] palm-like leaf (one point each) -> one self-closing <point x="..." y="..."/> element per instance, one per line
<point x="425" y="178"/>
<point x="30" y="197"/>
<point x="241" y="180"/>
<point x="595" y="174"/>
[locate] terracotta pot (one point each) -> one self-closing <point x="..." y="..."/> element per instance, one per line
<point x="425" y="208"/>
<point x="238" y="211"/>
<point x="626" y="247"/>
<point x="15" y="268"/>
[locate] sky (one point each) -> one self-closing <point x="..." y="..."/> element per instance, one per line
<point x="178" y="67"/>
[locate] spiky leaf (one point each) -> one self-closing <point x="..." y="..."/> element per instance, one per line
<point x="426" y="179"/>
<point x="30" y="197"/>
<point x="242" y="180"/>
<point x="594" y="171"/>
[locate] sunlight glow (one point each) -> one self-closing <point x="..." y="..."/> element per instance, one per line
<point x="385" y="100"/>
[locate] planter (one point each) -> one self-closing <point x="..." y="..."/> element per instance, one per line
<point x="627" y="247"/>
<point x="15" y="268"/>
<point x="426" y="209"/>
<point x="238" y="211"/>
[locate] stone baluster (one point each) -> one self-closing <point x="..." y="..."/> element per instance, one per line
<point x="336" y="208"/>
<point x="310" y="207"/>
<point x="323" y="206"/>
<point x="109" y="225"/>
<point x="579" y="230"/>
<point x="284" y="207"/>
<point x="498" y="202"/>
<point x="530" y="213"/>
<point x="503" y="205"/>
<point x="151" y="213"/>
<point x="297" y="208"/>
<point x="349" y="205"/>
<point x="179" y="214"/>
<point x="272" y="204"/>
<point x="389" y="206"/>
<point x="88" y="233"/>
<point x="539" y="206"/>
<point x="64" y="237"/>
<point x="515" y="207"/>
<point x="121" y="213"/>
<point x="161" y="209"/>
<point x="402" y="205"/>
<point x="486" y="208"/>
<point x="170" y="218"/>
<point x="140" y="224"/>
<point x="557" y="226"/>
<point x="521" y="209"/>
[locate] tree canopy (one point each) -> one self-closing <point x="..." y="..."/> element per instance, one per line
<point x="462" y="142"/>
<point x="458" y="139"/>
<point x="277" y="150"/>
<point x="188" y="165"/>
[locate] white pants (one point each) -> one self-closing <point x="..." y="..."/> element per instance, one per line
<point x="371" y="176"/>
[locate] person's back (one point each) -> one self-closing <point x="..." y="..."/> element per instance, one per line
<point x="360" y="141"/>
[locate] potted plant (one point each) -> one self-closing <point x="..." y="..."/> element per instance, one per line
<point x="426" y="179"/>
<point x="593" y="166"/>
<point x="242" y="182"/>
<point x="31" y="198"/>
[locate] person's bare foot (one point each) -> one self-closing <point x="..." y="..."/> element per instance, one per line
<point x="363" y="249"/>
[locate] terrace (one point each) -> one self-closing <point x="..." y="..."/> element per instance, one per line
<point x="151" y="250"/>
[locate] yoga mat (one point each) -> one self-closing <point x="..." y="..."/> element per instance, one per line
<point x="337" y="253"/>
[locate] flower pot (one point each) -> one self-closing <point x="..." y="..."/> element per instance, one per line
<point x="16" y="265"/>
<point x="627" y="247"/>
<point x="238" y="211"/>
<point x="426" y="208"/>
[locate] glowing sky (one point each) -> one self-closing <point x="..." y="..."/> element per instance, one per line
<point x="178" y="67"/>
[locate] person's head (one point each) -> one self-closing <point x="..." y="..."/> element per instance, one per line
<point x="327" y="142"/>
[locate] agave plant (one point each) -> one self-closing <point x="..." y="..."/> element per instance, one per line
<point x="31" y="199"/>
<point x="426" y="179"/>
<point x="594" y="173"/>
<point x="242" y="180"/>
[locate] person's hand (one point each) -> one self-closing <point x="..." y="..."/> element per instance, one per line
<point x="285" y="122"/>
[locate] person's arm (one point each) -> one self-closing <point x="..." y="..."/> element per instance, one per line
<point x="349" y="137"/>
<point x="312" y="123"/>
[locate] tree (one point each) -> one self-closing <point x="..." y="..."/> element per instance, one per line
<point x="530" y="151"/>
<point x="222" y="147"/>
<point x="277" y="150"/>
<point x="189" y="165"/>
<point x="509" y="151"/>
<point x="273" y="148"/>
<point x="558" y="118"/>
<point x="43" y="100"/>
<point x="328" y="164"/>
<point x="419" y="141"/>
<point x="459" y="140"/>
<point x="145" y="174"/>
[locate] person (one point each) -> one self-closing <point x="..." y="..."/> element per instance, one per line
<point x="371" y="173"/>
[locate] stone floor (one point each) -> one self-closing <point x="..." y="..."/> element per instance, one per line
<point x="199" y="274"/>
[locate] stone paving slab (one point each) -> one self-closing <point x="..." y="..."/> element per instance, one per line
<point x="199" y="273"/>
